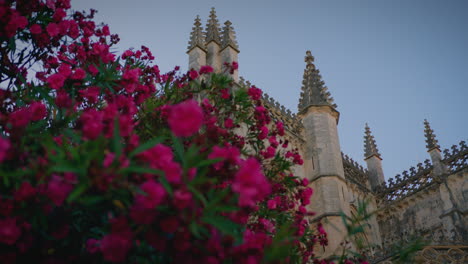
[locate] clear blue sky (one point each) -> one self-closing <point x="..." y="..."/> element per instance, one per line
<point x="388" y="63"/>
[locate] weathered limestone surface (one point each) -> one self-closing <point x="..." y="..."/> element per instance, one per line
<point x="229" y="55"/>
<point x="376" y="175"/>
<point x="213" y="57"/>
<point x="197" y="58"/>
<point x="322" y="150"/>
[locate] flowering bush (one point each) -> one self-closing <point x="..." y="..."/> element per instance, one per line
<point x="105" y="159"/>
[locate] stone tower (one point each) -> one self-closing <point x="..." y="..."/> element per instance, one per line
<point x="373" y="160"/>
<point x="212" y="46"/>
<point x="322" y="155"/>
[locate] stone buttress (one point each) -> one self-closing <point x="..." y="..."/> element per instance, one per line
<point x="322" y="155"/>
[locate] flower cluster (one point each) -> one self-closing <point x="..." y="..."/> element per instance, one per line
<point x="108" y="160"/>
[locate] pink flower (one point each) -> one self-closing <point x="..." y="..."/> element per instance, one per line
<point x="225" y="93"/>
<point x="250" y="183"/>
<point x="58" y="189"/>
<point x="92" y="125"/>
<point x="271" y="204"/>
<point x="52" y="29"/>
<point x="205" y="69"/>
<point x="9" y="231"/>
<point x="228" y="153"/>
<point x="108" y="160"/>
<point x="182" y="199"/>
<point x="193" y="74"/>
<point x="92" y="245"/>
<point x="93" y="70"/>
<point x="269" y="226"/>
<point x="269" y="153"/>
<point x="155" y="195"/>
<point x="186" y="118"/>
<point x="114" y="247"/>
<point x="24" y="192"/>
<point x="4" y="146"/>
<point x="273" y="142"/>
<point x="280" y="128"/>
<point x="132" y="75"/>
<point x="63" y="100"/>
<point x="35" y="29"/>
<point x="56" y="81"/>
<point x="38" y="111"/>
<point x="20" y="118"/>
<point x="65" y="70"/>
<point x="254" y="93"/>
<point x="228" y="123"/>
<point x="79" y="74"/>
<point x="263" y="133"/>
<point x="235" y="65"/>
<point x="305" y="196"/>
<point x="91" y="94"/>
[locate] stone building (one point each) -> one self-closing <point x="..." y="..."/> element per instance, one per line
<point x="428" y="200"/>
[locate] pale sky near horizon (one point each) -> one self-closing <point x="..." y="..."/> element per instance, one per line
<point x="388" y="63"/>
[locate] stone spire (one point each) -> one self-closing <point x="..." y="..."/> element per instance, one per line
<point x="370" y="148"/>
<point x="229" y="36"/>
<point x="431" y="140"/>
<point x="373" y="160"/>
<point x="212" y="27"/>
<point x="197" y="36"/>
<point x="314" y="92"/>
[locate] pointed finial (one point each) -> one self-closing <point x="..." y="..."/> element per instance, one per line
<point x="370" y="148"/>
<point x="197" y="37"/>
<point x="229" y="36"/>
<point x="212" y="27"/>
<point x="431" y="140"/>
<point x="309" y="60"/>
<point x="314" y="91"/>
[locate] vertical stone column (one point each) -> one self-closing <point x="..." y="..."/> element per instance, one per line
<point x="230" y="49"/>
<point x="213" y="57"/>
<point x="197" y="58"/>
<point x="325" y="172"/>
<point x="373" y="160"/>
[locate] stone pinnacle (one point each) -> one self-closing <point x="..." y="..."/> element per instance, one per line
<point x="313" y="91"/>
<point x="370" y="147"/>
<point x="431" y="140"/>
<point x="212" y="27"/>
<point x="197" y="36"/>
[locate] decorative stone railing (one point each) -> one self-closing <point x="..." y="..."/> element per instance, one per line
<point x="281" y="113"/>
<point x="354" y="171"/>
<point x="419" y="178"/>
<point x="457" y="159"/>
<point x="406" y="184"/>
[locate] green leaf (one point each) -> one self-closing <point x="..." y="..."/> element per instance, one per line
<point x="65" y="168"/>
<point x="117" y="139"/>
<point x="138" y="169"/>
<point x="197" y="194"/>
<point x="165" y="183"/>
<point x="224" y="225"/>
<point x="179" y="150"/>
<point x="147" y="145"/>
<point x="91" y="200"/>
<point x="77" y="192"/>
<point x="208" y="162"/>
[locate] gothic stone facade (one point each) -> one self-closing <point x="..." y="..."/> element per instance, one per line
<point x="428" y="201"/>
